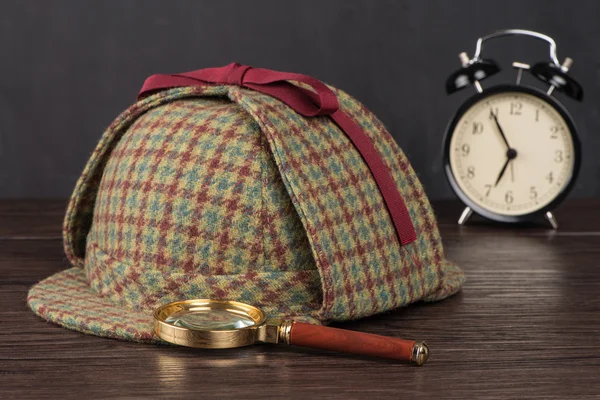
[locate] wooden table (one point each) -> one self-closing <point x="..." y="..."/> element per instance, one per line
<point x="527" y="325"/>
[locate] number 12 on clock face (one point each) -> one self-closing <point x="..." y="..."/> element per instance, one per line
<point x="511" y="153"/>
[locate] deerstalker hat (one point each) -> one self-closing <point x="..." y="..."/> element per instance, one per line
<point x="244" y="184"/>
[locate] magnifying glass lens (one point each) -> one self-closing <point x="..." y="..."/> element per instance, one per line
<point x="209" y="319"/>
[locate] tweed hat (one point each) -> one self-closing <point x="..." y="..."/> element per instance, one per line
<point x="223" y="190"/>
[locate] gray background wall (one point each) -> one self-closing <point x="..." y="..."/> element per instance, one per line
<point x="67" y="68"/>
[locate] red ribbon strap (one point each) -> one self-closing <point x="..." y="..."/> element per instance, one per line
<point x="310" y="103"/>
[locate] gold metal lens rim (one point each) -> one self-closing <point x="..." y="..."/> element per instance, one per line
<point x="208" y="339"/>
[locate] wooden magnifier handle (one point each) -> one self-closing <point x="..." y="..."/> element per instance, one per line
<point x="345" y="341"/>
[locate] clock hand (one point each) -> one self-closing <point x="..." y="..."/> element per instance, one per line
<point x="510" y="155"/>
<point x="501" y="174"/>
<point x="500" y="128"/>
<point x="512" y="171"/>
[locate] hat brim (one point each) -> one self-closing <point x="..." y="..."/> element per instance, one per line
<point x="66" y="299"/>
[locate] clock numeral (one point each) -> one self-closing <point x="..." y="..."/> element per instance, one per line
<point x="466" y="149"/>
<point x="477" y="128"/>
<point x="471" y="172"/>
<point x="533" y="194"/>
<point x="508" y="197"/>
<point x="554" y="131"/>
<point x="537" y="115"/>
<point x="493" y="112"/>
<point x="550" y="177"/>
<point x="488" y="189"/>
<point x="515" y="108"/>
<point x="558" y="156"/>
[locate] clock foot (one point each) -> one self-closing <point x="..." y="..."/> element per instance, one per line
<point x="551" y="220"/>
<point x="465" y="215"/>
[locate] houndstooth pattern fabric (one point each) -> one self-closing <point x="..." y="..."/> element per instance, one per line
<point x="226" y="193"/>
<point x="364" y="269"/>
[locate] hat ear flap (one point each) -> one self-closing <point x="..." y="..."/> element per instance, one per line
<point x="80" y="212"/>
<point x="363" y="266"/>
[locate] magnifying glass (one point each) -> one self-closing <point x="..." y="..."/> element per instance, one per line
<point x="214" y="324"/>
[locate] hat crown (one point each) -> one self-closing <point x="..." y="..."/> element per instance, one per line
<point x="191" y="190"/>
<point x="191" y="186"/>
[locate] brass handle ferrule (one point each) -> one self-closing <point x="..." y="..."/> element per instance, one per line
<point x="285" y="331"/>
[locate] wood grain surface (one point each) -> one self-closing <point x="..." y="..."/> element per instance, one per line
<point x="526" y="325"/>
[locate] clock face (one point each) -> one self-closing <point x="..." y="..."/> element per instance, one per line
<point x="511" y="152"/>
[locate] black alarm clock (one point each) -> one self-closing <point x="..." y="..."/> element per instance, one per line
<point x="511" y="152"/>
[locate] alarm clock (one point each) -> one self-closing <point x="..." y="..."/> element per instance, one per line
<point x="511" y="152"/>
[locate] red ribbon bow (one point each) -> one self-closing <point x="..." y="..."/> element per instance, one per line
<point x="321" y="100"/>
